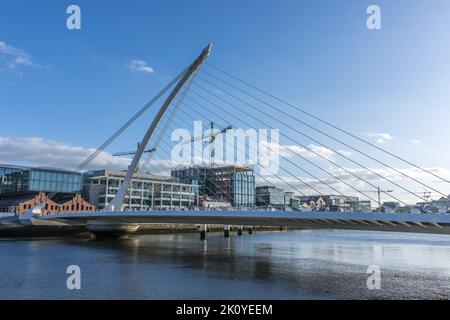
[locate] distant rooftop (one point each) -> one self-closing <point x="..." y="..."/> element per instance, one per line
<point x="122" y="173"/>
<point x="229" y="168"/>
<point x="19" y="167"/>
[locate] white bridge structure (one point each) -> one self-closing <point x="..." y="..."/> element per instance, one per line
<point x="113" y="220"/>
<point x="121" y="222"/>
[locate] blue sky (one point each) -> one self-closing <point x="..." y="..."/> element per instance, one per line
<point x="76" y="86"/>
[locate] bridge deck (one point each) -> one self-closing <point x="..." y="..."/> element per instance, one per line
<point x="422" y="223"/>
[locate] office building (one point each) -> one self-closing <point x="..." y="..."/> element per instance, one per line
<point x="390" y="206"/>
<point x="364" y="206"/>
<point x="336" y="203"/>
<point x="20" y="180"/>
<point x="271" y="197"/>
<point x="147" y="191"/>
<point x="232" y="184"/>
<point x="23" y="187"/>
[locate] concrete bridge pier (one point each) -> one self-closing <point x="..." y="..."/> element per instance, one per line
<point x="239" y="230"/>
<point x="104" y="229"/>
<point x="250" y="229"/>
<point x="203" y="229"/>
<point x="226" y="231"/>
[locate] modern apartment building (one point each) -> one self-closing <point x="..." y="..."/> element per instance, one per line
<point x="147" y="191"/>
<point x="232" y="184"/>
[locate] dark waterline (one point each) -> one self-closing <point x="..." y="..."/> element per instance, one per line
<point x="323" y="264"/>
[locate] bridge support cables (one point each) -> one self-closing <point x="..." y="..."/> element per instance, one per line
<point x="116" y="204"/>
<point x="307" y="148"/>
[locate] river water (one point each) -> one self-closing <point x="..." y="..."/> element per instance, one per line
<point x="323" y="264"/>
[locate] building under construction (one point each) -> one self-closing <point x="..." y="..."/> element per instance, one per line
<point x="232" y="184"/>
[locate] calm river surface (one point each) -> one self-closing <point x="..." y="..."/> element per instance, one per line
<point x="323" y="264"/>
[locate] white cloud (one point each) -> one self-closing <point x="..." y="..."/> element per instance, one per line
<point x="35" y="150"/>
<point x="415" y="141"/>
<point x="288" y="151"/>
<point x="140" y="66"/>
<point x="345" y="153"/>
<point x="380" y="137"/>
<point x="389" y="173"/>
<point x="323" y="151"/>
<point x="287" y="182"/>
<point x="17" y="57"/>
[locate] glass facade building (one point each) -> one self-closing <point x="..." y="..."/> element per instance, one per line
<point x="243" y="189"/>
<point x="17" y="180"/>
<point x="269" y="196"/>
<point x="147" y="191"/>
<point x="12" y="179"/>
<point x="232" y="184"/>
<point x="54" y="181"/>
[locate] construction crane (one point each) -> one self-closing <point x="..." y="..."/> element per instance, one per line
<point x="424" y="206"/>
<point x="425" y="195"/>
<point x="130" y="153"/>
<point x="212" y="137"/>
<point x="379" y="191"/>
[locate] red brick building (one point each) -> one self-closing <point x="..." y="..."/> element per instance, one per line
<point x="21" y="205"/>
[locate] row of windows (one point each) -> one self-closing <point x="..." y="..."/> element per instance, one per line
<point x="115" y="183"/>
<point x="72" y="207"/>
<point x="243" y="200"/>
<point x="42" y="185"/>
<point x="7" y="171"/>
<point x="56" y="176"/>
<point x="243" y="177"/>
<point x="148" y="194"/>
<point x="14" y="180"/>
<point x="272" y="198"/>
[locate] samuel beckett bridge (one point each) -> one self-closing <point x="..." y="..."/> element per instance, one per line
<point x="217" y="97"/>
